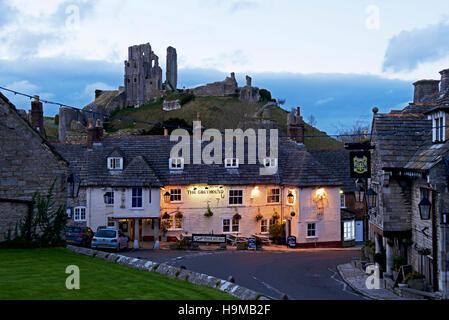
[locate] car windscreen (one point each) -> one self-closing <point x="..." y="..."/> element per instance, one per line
<point x="74" y="230"/>
<point x="106" y="234"/>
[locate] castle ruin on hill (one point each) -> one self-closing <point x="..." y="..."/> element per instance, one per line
<point x="143" y="82"/>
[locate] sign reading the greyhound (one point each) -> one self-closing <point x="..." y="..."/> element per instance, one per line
<point x="360" y="164"/>
<point x="209" y="238"/>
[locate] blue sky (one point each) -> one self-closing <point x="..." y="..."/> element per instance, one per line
<point x="335" y="59"/>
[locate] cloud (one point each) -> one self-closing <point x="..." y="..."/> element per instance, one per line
<point x="89" y="90"/>
<point x="242" y="5"/>
<point x="324" y="101"/>
<point x="407" y="50"/>
<point x="227" y="59"/>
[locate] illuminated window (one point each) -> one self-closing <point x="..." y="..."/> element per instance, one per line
<point x="174" y="223"/>
<point x="235" y="197"/>
<point x="273" y="195"/>
<point x="349" y="230"/>
<point x="175" y="195"/>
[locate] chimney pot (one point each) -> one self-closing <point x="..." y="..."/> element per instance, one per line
<point x="37" y="115"/>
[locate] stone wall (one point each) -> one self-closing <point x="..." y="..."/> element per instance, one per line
<point x="224" y="88"/>
<point x="10" y="214"/>
<point x="28" y="163"/>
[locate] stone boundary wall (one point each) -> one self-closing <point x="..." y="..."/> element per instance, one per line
<point x="174" y="272"/>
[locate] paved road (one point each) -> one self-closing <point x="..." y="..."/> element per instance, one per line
<point x="302" y="275"/>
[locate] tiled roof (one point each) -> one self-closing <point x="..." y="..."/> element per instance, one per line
<point x="397" y="138"/>
<point x="337" y="162"/>
<point x="146" y="162"/>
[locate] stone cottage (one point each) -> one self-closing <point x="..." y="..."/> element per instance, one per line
<point x="28" y="163"/>
<point x="410" y="175"/>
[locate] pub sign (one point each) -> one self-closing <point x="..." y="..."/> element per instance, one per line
<point x="360" y="164"/>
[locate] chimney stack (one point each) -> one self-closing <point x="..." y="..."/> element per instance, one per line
<point x="425" y="88"/>
<point x="37" y="116"/>
<point x="94" y="134"/>
<point x="165" y="132"/>
<point x="295" y="126"/>
<point x="444" y="80"/>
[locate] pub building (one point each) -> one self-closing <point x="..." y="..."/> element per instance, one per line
<point x="132" y="183"/>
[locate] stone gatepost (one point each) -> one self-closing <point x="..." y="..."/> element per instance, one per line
<point x="390" y="256"/>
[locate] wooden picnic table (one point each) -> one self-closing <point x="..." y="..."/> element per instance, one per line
<point x="263" y="238"/>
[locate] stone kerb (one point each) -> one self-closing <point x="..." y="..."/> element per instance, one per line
<point x="173" y="272"/>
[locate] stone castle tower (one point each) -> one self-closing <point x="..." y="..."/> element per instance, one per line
<point x="172" y="69"/>
<point x="143" y="76"/>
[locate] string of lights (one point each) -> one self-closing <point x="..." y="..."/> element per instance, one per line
<point x="166" y="126"/>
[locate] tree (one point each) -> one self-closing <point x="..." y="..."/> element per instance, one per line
<point x="265" y="96"/>
<point x="312" y="121"/>
<point x="359" y="132"/>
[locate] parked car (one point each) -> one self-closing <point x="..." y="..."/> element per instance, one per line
<point x="109" y="238"/>
<point x="79" y="236"/>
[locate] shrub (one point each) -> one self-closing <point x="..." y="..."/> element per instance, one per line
<point x="186" y="98"/>
<point x="209" y="212"/>
<point x="277" y="232"/>
<point x="265" y="96"/>
<point x="57" y="119"/>
<point x="415" y="275"/>
<point x="398" y="261"/>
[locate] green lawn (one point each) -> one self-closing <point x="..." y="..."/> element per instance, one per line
<point x="40" y="274"/>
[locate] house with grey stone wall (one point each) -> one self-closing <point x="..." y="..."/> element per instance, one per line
<point x="409" y="164"/>
<point x="29" y="164"/>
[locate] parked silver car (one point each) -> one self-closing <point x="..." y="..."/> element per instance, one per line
<point x="109" y="238"/>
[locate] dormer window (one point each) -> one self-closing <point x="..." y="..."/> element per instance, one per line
<point x="270" y="162"/>
<point x="176" y="164"/>
<point x="115" y="163"/>
<point x="438" y="126"/>
<point x="231" y="163"/>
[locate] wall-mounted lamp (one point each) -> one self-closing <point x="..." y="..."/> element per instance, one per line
<point x="167" y="197"/>
<point x="291" y="197"/>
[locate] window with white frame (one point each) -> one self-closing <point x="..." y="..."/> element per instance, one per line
<point x="115" y="163"/>
<point x="174" y="223"/>
<point x="80" y="214"/>
<point x="231" y="225"/>
<point x="311" y="230"/>
<point x="342" y="200"/>
<point x="137" y="198"/>
<point x="270" y="162"/>
<point x="109" y="198"/>
<point x="176" y="163"/>
<point x="349" y="230"/>
<point x="438" y="124"/>
<point x="274" y="195"/>
<point x="231" y="163"/>
<point x="175" y="195"/>
<point x="235" y="197"/>
<point x="265" y="225"/>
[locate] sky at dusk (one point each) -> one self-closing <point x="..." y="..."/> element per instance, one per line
<point x="335" y="59"/>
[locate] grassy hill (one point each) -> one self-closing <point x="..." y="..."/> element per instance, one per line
<point x="215" y="112"/>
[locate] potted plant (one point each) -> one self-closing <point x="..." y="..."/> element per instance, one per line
<point x="237" y="216"/>
<point x="259" y="217"/>
<point x="209" y="212"/>
<point x="276" y="217"/>
<point x="179" y="215"/>
<point x="415" y="280"/>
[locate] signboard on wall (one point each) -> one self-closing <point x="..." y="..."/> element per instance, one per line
<point x="360" y="164"/>
<point x="208" y="238"/>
